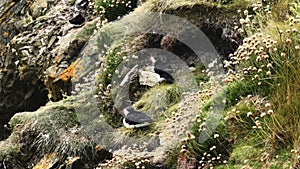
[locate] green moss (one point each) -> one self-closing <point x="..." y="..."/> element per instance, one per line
<point x="281" y="159"/>
<point x="112" y="60"/>
<point x="239" y="89"/>
<point x="240" y="123"/>
<point x="221" y="142"/>
<point x="162" y="5"/>
<point x="200" y="76"/>
<point x="162" y="96"/>
<point x="42" y="18"/>
<point x="246" y="155"/>
<point x="8" y="149"/>
<point x="51" y="129"/>
<point x="87" y="30"/>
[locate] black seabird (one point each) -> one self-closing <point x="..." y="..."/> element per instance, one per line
<point x="135" y="119"/>
<point x="164" y="76"/>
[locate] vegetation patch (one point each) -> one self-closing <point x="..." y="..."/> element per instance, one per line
<point x="114" y="9"/>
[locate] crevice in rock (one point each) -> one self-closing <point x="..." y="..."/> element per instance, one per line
<point x="224" y="38"/>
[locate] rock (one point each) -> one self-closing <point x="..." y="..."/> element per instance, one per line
<point x="83" y="4"/>
<point x="22" y="67"/>
<point x="149" y="77"/>
<point x="39" y="8"/>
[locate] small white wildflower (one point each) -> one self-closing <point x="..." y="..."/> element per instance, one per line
<point x="259" y="70"/>
<point x="212" y="148"/>
<point x="267" y="105"/>
<point x="288" y="41"/>
<point x="270" y="112"/>
<point x="262" y="114"/>
<point x="269" y="65"/>
<point x="249" y="114"/>
<point x="280" y="31"/>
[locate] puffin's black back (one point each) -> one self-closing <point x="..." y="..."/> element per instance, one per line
<point x="135" y="116"/>
<point x="168" y="78"/>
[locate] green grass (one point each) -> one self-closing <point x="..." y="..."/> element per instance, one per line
<point x="87" y="30"/>
<point x="271" y="70"/>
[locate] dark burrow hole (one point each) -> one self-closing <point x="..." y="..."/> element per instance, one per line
<point x="223" y="37"/>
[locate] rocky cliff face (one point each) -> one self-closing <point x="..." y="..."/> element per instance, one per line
<point x="38" y="42"/>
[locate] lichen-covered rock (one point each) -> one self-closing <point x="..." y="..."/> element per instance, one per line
<point x="35" y="51"/>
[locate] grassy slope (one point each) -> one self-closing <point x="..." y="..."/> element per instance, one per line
<point x="269" y="138"/>
<point x="272" y="139"/>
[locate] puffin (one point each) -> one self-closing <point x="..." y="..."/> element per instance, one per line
<point x="135" y="119"/>
<point x="164" y="76"/>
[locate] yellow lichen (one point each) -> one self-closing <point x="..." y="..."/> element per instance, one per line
<point x="70" y="72"/>
<point x="47" y="162"/>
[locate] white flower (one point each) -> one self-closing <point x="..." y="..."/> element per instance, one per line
<point x="269" y="65"/>
<point x="212" y="148"/>
<point x="270" y="112"/>
<point x="259" y="70"/>
<point x="216" y="135"/>
<point x="249" y="114"/>
<point x="267" y="105"/>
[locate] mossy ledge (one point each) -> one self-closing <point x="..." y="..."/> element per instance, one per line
<point x="52" y="131"/>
